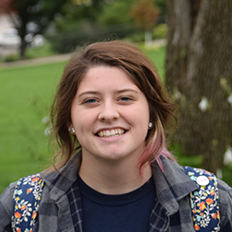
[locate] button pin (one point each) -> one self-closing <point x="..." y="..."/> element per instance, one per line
<point x="202" y="180"/>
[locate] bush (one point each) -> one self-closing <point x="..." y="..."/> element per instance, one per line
<point x="67" y="41"/>
<point x="11" y="58"/>
<point x="136" y="38"/>
<point x="160" y="31"/>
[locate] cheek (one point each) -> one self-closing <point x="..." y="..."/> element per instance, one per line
<point x="143" y="111"/>
<point x="139" y="116"/>
<point x="82" y="121"/>
<point x="82" y="129"/>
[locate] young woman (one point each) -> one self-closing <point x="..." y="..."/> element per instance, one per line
<point x="114" y="173"/>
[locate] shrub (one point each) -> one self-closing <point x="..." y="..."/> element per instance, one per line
<point x="160" y="31"/>
<point x="66" y="41"/>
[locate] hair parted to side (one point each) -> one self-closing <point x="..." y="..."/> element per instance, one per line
<point x="145" y="76"/>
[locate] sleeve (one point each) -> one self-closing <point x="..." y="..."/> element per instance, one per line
<point x="6" y="201"/>
<point x="225" y="206"/>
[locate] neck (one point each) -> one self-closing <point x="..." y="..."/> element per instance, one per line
<point x="114" y="177"/>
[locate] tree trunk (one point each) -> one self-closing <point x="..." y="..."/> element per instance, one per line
<point x="23" y="47"/>
<point x="20" y="22"/>
<point x="198" y="75"/>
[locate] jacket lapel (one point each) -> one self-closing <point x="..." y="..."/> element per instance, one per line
<point x="59" y="184"/>
<point x="171" y="185"/>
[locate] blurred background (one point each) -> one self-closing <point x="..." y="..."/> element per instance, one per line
<point x="188" y="40"/>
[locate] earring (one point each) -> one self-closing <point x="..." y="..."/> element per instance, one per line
<point x="72" y="130"/>
<point x="150" y="125"/>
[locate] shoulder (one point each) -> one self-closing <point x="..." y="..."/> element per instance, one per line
<point x="15" y="189"/>
<point x="225" y="203"/>
<point x="224" y="190"/>
<point x="6" y="198"/>
<point x="6" y="201"/>
<point x="27" y="188"/>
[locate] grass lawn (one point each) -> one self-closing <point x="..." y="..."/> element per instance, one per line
<point x="26" y="94"/>
<point x="158" y="57"/>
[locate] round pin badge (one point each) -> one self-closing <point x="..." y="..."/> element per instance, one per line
<point x="202" y="180"/>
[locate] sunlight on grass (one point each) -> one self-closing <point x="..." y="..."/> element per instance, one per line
<point x="26" y="95"/>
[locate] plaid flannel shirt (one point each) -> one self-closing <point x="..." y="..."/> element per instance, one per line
<point x="60" y="208"/>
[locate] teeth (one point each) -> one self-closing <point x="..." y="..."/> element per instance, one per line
<point x="110" y="133"/>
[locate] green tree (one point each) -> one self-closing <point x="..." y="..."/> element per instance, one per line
<point x="145" y="13"/>
<point x="102" y="20"/>
<point x="78" y="26"/>
<point x="40" y="12"/>
<point x="161" y="4"/>
<point x="116" y="13"/>
<point x="83" y="10"/>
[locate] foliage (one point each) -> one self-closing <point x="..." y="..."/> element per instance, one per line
<point x="83" y="10"/>
<point x="116" y="13"/>
<point x="41" y="51"/>
<point x="161" y="4"/>
<point x="145" y="13"/>
<point x="11" y="58"/>
<point x="72" y="16"/>
<point x="105" y="24"/>
<point x="136" y="38"/>
<point x="111" y="20"/>
<point x="85" y="32"/>
<point x="39" y="12"/>
<point x="160" y="31"/>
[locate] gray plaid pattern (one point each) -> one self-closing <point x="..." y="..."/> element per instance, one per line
<point x="74" y="197"/>
<point x="60" y="207"/>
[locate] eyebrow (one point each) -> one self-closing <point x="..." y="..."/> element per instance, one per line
<point x="98" y="93"/>
<point x="127" y="90"/>
<point x="88" y="92"/>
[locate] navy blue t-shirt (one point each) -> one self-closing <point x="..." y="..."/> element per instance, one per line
<point x="117" y="213"/>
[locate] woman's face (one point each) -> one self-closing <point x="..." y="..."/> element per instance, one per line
<point x="110" y="115"/>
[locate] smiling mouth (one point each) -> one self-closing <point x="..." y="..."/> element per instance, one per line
<point x="111" y="133"/>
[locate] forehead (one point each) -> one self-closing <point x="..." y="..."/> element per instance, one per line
<point x="105" y="77"/>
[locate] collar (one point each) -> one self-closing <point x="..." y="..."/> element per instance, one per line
<point x="60" y="182"/>
<point x="172" y="184"/>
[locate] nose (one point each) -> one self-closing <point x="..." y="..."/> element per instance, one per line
<point x="108" y="112"/>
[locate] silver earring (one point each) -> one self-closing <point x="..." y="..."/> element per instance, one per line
<point x="150" y="125"/>
<point x="71" y="129"/>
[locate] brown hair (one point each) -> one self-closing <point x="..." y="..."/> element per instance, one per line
<point x="143" y="73"/>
